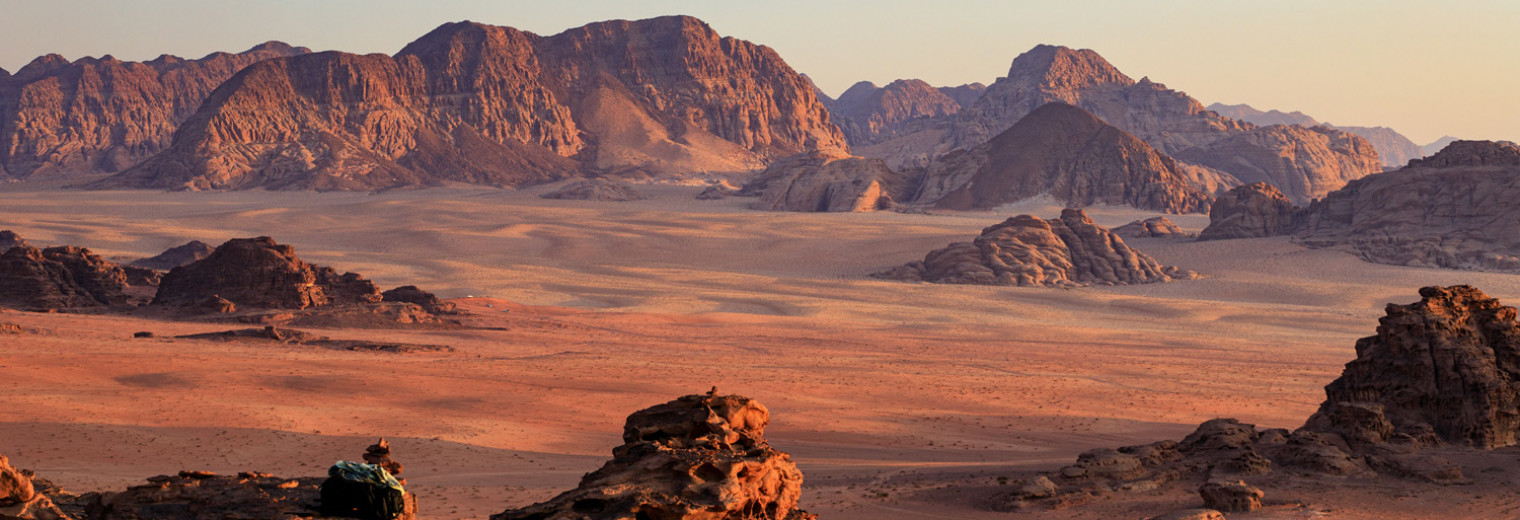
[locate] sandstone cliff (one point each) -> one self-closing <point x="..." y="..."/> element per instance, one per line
<point x="104" y="115"/>
<point x="1305" y="163"/>
<point x="1392" y="148"/>
<point x="1069" y="154"/>
<point x="1252" y="211"/>
<point x="494" y="105"/>
<point x="59" y="278"/>
<point x="829" y="182"/>
<point x="1024" y="250"/>
<point x="259" y="273"/>
<point x="868" y="114"/>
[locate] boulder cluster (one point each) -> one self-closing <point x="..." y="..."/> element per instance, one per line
<point x="697" y="457"/>
<point x="1025" y="250"/>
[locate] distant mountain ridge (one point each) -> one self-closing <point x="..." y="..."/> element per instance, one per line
<point x="493" y="105"/>
<point x="94" y="115"/>
<point x="1393" y="148"/>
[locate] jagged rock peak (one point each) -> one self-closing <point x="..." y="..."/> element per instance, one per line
<point x="1064" y="68"/>
<point x="1068" y="251"/>
<point x="1445" y="365"/>
<point x="1472" y="153"/>
<point x="697" y="457"/>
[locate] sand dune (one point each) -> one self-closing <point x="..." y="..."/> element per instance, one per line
<point x="619" y="306"/>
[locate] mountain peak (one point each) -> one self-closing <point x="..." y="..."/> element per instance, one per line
<point x="277" y="46"/>
<point x="1063" y="68"/>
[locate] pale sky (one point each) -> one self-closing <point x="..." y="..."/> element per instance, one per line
<point x="1425" y="68"/>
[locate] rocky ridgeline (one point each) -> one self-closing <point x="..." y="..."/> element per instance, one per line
<point x="1025" y="250"/>
<point x="93" y="115"/>
<point x="1438" y="379"/>
<point x="697" y="457"/>
<point x="484" y="104"/>
<point x="1440" y="211"/>
<point x="869" y="114"/>
<point x="176" y="256"/>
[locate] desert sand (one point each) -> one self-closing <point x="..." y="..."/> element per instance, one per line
<point x="897" y="400"/>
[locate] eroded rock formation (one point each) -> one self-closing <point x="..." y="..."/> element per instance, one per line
<point x="59" y="278"/>
<point x="828" y="182"/>
<point x="1154" y="227"/>
<point x="869" y="114"/>
<point x="697" y="457"/>
<point x="104" y="115"/>
<point x="9" y="239"/>
<point x="718" y="190"/>
<point x="176" y="256"/>
<point x="1069" y="154"/>
<point x="1024" y="250"/>
<point x="413" y="295"/>
<point x="600" y="189"/>
<point x="494" y="105"/>
<point x="259" y="273"/>
<point x="1305" y="163"/>
<point x="1251" y="211"/>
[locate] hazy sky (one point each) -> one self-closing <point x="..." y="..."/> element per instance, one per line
<point x="1425" y="68"/>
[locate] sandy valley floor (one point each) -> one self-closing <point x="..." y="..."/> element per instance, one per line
<point x="881" y="391"/>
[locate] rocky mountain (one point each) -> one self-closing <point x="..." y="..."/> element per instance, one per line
<point x="1439" y="144"/>
<point x="1170" y="121"/>
<point x="494" y="105"/>
<point x="1393" y="148"/>
<point x="1069" y="154"/>
<point x="1250" y="114"/>
<point x="869" y="114"/>
<point x="965" y="95"/>
<point x="829" y="182"/>
<point x="699" y="456"/>
<point x="1024" y="250"/>
<point x="92" y="115"/>
<point x="1305" y="163"/>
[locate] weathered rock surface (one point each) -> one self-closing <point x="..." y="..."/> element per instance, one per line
<point x="104" y="115"/>
<point x="259" y="273"/>
<point x="176" y="256"/>
<point x="1444" y="365"/>
<point x="1065" y="152"/>
<point x="698" y="457"/>
<point x="600" y="189"/>
<point x="1168" y="120"/>
<point x="1154" y="227"/>
<point x="413" y="295"/>
<point x="9" y="239"/>
<point x="1191" y="514"/>
<point x="1305" y="163"/>
<point x="59" y="278"/>
<point x="1231" y="496"/>
<point x="827" y="181"/>
<point x="1392" y="147"/>
<point x="1024" y="250"/>
<point x="1451" y="210"/>
<point x="965" y="95"/>
<point x="1251" y="211"/>
<point x="869" y="114"/>
<point x="494" y="105"/>
<point x="20" y="499"/>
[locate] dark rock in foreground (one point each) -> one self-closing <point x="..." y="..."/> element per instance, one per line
<point x="60" y="278"/>
<point x="698" y="457"/>
<point x="258" y="273"/>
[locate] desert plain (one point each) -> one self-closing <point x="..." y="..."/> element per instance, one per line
<point x="897" y="400"/>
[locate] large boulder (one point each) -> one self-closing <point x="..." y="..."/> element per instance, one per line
<point x="700" y="457"/>
<point x="1250" y="211"/>
<point x="1448" y="364"/>
<point x="1025" y="250"/>
<point x="59" y="278"/>
<point x="259" y="273"/>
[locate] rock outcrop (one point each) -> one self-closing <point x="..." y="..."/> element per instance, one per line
<point x="9" y="239"/>
<point x="1250" y="114"/>
<point x="1305" y="163"/>
<point x="176" y="256"/>
<point x="1024" y="250"/>
<point x="60" y="278"/>
<point x="411" y="294"/>
<point x="258" y="273"/>
<point x="1251" y="211"/>
<point x="202" y="495"/>
<point x="1154" y="227"/>
<point x="61" y="118"/>
<point x="1392" y="147"/>
<point x="718" y="190"/>
<point x="1451" y="210"/>
<point x="1445" y="365"/>
<point x="1231" y="496"/>
<point x="829" y="182"/>
<point x="697" y="457"/>
<point x="600" y="189"/>
<point x="20" y="499"/>
<point x="494" y="105"/>
<point x="1069" y="154"/>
